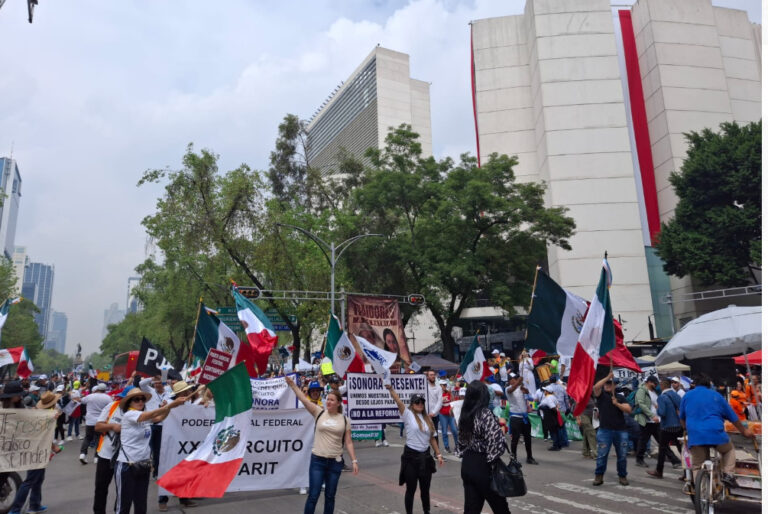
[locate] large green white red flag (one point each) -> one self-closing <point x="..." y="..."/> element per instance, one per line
<point x="209" y="470"/>
<point x="596" y="339"/>
<point x="474" y="366"/>
<point x="261" y="335"/>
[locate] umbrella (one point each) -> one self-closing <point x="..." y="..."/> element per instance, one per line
<point x="435" y="362"/>
<point x="672" y="367"/>
<point x="720" y="333"/>
<point x="755" y="358"/>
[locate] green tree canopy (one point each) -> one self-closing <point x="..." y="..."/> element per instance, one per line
<point x="715" y="234"/>
<point x="20" y="328"/>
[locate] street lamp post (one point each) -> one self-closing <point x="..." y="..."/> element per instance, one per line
<point x="332" y="253"/>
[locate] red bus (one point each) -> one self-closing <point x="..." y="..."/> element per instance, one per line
<point x="125" y="365"/>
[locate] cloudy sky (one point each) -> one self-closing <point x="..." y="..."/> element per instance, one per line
<point x="93" y="93"/>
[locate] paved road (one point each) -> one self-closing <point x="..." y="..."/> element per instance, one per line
<point x="560" y="484"/>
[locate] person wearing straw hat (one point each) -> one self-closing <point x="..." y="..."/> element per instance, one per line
<point x="108" y="426"/>
<point x="133" y="458"/>
<point x="33" y="483"/>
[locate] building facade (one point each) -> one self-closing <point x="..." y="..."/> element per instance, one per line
<point x="132" y="302"/>
<point x="20" y="261"/>
<point x="57" y="333"/>
<point x="378" y="95"/>
<point x="594" y="101"/>
<point x="112" y="316"/>
<point x="10" y="183"/>
<point x="38" y="286"/>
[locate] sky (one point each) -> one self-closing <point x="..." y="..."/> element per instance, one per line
<point x="94" y="93"/>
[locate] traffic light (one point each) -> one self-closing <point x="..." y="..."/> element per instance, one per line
<point x="415" y="300"/>
<point x="249" y="292"/>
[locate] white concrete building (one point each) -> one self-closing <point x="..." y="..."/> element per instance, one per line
<point x="20" y="261"/>
<point x="594" y="101"/>
<point x="378" y="95"/>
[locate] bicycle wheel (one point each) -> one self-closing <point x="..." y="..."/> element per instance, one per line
<point x="9" y="484"/>
<point x="702" y="494"/>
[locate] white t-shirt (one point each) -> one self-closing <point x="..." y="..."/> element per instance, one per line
<point x="681" y="392"/>
<point x="516" y="402"/>
<point x="134" y="437"/>
<point x="416" y="439"/>
<point x="95" y="403"/>
<point x="106" y="447"/>
<point x="549" y="401"/>
<point x="435" y="400"/>
<point x="565" y="361"/>
<point x="495" y="398"/>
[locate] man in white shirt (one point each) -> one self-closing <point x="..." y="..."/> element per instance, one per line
<point x="565" y="368"/>
<point x="434" y="398"/>
<point x="517" y="399"/>
<point x="108" y="426"/>
<point x="95" y="403"/>
<point x="677" y="386"/>
<point x="160" y="396"/>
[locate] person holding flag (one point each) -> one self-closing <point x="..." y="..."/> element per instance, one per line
<point x="332" y="433"/>
<point x="613" y="429"/>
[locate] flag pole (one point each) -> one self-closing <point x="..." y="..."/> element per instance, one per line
<point x="530" y="305"/>
<point x="194" y="332"/>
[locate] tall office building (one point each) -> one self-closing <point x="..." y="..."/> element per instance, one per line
<point x="38" y="284"/>
<point x="594" y="101"/>
<point x="10" y="184"/>
<point x="112" y="316"/>
<point x="378" y="95"/>
<point x="57" y="334"/>
<point x="20" y="261"/>
<point x="132" y="302"/>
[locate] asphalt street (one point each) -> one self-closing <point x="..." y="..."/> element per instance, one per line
<point x="561" y="483"/>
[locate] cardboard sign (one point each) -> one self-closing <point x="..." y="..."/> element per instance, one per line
<point x="215" y="364"/>
<point x="273" y="394"/>
<point x="27" y="435"/>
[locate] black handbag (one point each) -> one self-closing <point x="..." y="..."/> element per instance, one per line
<point x="507" y="479"/>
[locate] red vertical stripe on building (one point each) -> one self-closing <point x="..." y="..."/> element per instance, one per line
<point x="640" y="124"/>
<point x="474" y="99"/>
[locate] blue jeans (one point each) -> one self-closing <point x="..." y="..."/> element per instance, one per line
<point x="74" y="422"/>
<point x="620" y="441"/>
<point x="323" y="470"/>
<point x="32" y="487"/>
<point x="448" y="421"/>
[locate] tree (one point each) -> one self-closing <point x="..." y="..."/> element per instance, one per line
<point x="715" y="234"/>
<point x="453" y="230"/>
<point x="20" y="328"/>
<point x="48" y="361"/>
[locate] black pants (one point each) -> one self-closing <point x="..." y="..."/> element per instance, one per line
<point x="436" y="424"/>
<point x="412" y="478"/>
<point x="59" y="432"/>
<point x="103" y="479"/>
<point x="666" y="437"/>
<point x="154" y="446"/>
<point x="476" y="476"/>
<point x="517" y="427"/>
<point x="648" y="431"/>
<point x="132" y="489"/>
<point x="90" y="435"/>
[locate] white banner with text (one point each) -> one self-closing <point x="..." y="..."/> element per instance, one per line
<point x="368" y="402"/>
<point x="25" y="438"/>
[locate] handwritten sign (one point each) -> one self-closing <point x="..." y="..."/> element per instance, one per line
<point x="25" y="438"/>
<point x="215" y="364"/>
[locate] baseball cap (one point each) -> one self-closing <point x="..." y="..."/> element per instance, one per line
<point x="502" y="354"/>
<point x="674" y="379"/>
<point x="512" y="374"/>
<point x="33" y="388"/>
<point x="495" y="352"/>
<point x="314" y="385"/>
<point x="442" y="382"/>
<point x="417" y="397"/>
<point x="60" y="388"/>
<point x="43" y="377"/>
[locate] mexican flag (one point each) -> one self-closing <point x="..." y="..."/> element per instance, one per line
<point x="258" y="328"/>
<point x="11" y="355"/>
<point x="208" y="471"/>
<point x="474" y="366"/>
<point x="25" y="367"/>
<point x="338" y="347"/>
<point x="596" y="338"/>
<point x="212" y="333"/>
<point x="4" y="308"/>
<point x="555" y="320"/>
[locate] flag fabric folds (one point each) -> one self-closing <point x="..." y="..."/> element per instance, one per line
<point x="555" y="319"/>
<point x="25" y="368"/>
<point x="213" y="333"/>
<point x="381" y="360"/>
<point x="5" y="307"/>
<point x="258" y="328"/>
<point x="619" y="357"/>
<point x="208" y="471"/>
<point x="338" y="347"/>
<point x="474" y="366"/>
<point x="10" y="355"/>
<point x="596" y="339"/>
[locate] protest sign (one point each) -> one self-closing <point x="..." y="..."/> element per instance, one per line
<point x="368" y="402"/>
<point x="216" y="363"/>
<point x="277" y="453"/>
<point x="273" y="394"/>
<point x="152" y="362"/>
<point x="25" y="438"/>
<point x="366" y="432"/>
<point x="378" y="320"/>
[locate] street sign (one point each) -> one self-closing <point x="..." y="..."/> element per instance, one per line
<point x="275" y="317"/>
<point x="227" y="310"/>
<point x="228" y="316"/>
<point x="281" y="328"/>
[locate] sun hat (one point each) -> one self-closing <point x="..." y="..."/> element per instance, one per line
<point x="48" y="400"/>
<point x="133" y="393"/>
<point x="12" y="389"/>
<point x="180" y="387"/>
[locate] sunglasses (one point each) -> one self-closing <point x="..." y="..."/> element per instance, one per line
<point x="134" y="400"/>
<point x="417" y="401"/>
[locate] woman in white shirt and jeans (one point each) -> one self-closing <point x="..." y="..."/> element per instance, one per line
<point x="416" y="464"/>
<point x="133" y="462"/>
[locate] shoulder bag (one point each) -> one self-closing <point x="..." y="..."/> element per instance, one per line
<point x="507" y="479"/>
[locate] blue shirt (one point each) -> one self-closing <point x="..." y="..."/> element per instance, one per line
<point x="704" y="411"/>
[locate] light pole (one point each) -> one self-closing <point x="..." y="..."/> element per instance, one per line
<point x="332" y="253"/>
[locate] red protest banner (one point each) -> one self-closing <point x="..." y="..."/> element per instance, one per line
<point x="215" y="364"/>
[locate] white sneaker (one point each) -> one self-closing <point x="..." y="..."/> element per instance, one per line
<point x="69" y="438"/>
<point x="96" y="460"/>
<point x="82" y="459"/>
<point x="378" y="443"/>
<point x="385" y="443"/>
<point x="80" y="437"/>
<point x="303" y="490"/>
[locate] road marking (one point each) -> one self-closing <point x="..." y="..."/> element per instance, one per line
<point x="620" y="498"/>
<point x="571" y="503"/>
<point x="652" y="492"/>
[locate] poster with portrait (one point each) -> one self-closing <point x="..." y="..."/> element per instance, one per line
<point x="377" y="320"/>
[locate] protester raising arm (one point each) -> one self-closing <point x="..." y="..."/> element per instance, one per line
<point x="598" y="388"/>
<point x="160" y="414"/>
<point x="311" y="407"/>
<point x="401" y="407"/>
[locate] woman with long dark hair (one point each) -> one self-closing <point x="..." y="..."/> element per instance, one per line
<point x="481" y="441"/>
<point x="416" y="464"/>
